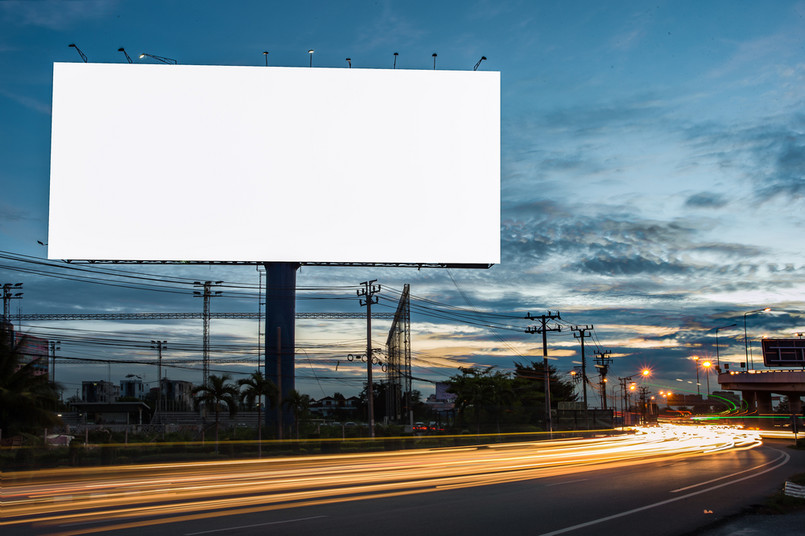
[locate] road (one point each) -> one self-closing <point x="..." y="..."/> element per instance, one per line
<point x="672" y="480"/>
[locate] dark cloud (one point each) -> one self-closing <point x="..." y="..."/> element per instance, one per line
<point x="731" y="250"/>
<point x="609" y="265"/>
<point x="706" y="200"/>
<point x="787" y="177"/>
<point x="587" y="119"/>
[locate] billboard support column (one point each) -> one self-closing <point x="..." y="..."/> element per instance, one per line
<point x="280" y="335"/>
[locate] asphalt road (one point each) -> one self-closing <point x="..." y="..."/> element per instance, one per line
<point x="661" y="489"/>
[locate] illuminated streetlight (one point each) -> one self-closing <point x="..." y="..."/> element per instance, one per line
<point x="645" y="372"/>
<point x="161" y="59"/>
<point x="707" y="365"/>
<point x="310" y="53"/>
<point x="698" y="389"/>
<point x="265" y="53"/>
<point x="746" y="343"/>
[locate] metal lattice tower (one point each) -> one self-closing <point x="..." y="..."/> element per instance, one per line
<point x="206" y="293"/>
<point x="398" y="349"/>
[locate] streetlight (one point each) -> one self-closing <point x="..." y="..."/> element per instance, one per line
<point x="310" y="53"/>
<point x="123" y="50"/>
<point x="80" y="53"/>
<point x="746" y="343"/>
<point x="718" y="360"/>
<point x="698" y="389"/>
<point x="161" y="59"/>
<point x="349" y="60"/>
<point x="707" y="365"/>
<point x="265" y="53"/>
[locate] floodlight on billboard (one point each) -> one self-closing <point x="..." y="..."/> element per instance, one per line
<point x="784" y="352"/>
<point x="274" y="164"/>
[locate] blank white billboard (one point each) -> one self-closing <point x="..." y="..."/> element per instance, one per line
<point x="209" y="163"/>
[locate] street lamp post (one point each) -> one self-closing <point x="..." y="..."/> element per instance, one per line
<point x="698" y="385"/>
<point x="160" y="59"/>
<point x="707" y="365"/>
<point x="746" y="343"/>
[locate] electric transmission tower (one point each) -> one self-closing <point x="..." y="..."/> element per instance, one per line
<point x="206" y="293"/>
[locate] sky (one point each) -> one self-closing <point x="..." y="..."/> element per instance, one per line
<point x="652" y="159"/>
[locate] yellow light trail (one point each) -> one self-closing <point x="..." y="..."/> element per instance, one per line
<point x="118" y="497"/>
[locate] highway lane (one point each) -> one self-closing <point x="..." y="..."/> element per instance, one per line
<point x="564" y="484"/>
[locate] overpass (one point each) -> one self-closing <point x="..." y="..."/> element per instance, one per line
<point x="757" y="386"/>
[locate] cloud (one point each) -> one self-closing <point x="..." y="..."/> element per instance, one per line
<point x="605" y="264"/>
<point x="706" y="200"/>
<point x="55" y="14"/>
<point x="28" y="102"/>
<point x="13" y="214"/>
<point x="389" y="28"/>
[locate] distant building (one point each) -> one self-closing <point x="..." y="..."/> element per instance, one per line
<point x="99" y="391"/>
<point x="132" y="387"/>
<point x="177" y="395"/>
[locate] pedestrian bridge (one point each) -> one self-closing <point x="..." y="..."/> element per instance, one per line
<point x="757" y="386"/>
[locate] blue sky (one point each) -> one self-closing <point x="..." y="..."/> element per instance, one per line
<point x="652" y="174"/>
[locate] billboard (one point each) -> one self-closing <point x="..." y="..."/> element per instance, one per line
<point x="784" y="352"/>
<point x="211" y="163"/>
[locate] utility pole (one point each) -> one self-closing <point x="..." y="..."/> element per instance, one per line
<point x="544" y="329"/>
<point x="159" y="346"/>
<point x="54" y="345"/>
<point x="602" y="362"/>
<point x="366" y="296"/>
<point x="644" y="404"/>
<point x="206" y="293"/>
<point x="10" y="293"/>
<point x="623" y="382"/>
<point x="581" y="333"/>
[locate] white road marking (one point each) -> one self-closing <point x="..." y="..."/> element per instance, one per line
<point x="228" y="529"/>
<point x="567" y="482"/>
<point x="722" y="477"/>
<point x="667" y="501"/>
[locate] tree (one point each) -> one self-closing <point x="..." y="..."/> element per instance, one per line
<point x="27" y="400"/>
<point x="480" y="391"/>
<point x="298" y="404"/>
<point x="530" y="390"/>
<point x="257" y="387"/>
<point x="217" y="393"/>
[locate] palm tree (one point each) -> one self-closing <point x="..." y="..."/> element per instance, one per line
<point x="257" y="386"/>
<point x="298" y="404"/>
<point x="216" y="394"/>
<point x="27" y="400"/>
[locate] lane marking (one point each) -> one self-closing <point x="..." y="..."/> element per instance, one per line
<point x="227" y="529"/>
<point x="668" y="501"/>
<point x="721" y="477"/>
<point x="567" y="482"/>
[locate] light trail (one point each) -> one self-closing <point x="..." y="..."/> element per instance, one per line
<point x="119" y="497"/>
